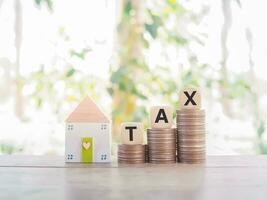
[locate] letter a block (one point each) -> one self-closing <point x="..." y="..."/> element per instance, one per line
<point x="190" y="98"/>
<point x="161" y="117"/>
<point x="132" y="133"/>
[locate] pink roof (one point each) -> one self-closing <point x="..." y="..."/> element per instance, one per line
<point x="87" y="111"/>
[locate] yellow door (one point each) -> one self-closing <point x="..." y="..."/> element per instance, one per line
<point x="87" y="149"/>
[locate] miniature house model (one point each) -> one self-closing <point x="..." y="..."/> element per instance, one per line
<point x="87" y="136"/>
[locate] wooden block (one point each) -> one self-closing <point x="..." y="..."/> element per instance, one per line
<point x="161" y="117"/>
<point x="190" y="98"/>
<point x="132" y="133"/>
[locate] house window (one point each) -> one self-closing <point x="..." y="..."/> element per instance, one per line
<point x="70" y="127"/>
<point x="70" y="156"/>
<point x="104" y="157"/>
<point x="103" y="126"/>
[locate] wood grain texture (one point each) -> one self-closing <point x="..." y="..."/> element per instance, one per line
<point x="190" y="98"/>
<point x="48" y="177"/>
<point x="137" y="133"/>
<point x="155" y="112"/>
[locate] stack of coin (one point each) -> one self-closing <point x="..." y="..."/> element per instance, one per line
<point x="191" y="135"/>
<point x="146" y="153"/>
<point x="161" y="145"/>
<point x="131" y="153"/>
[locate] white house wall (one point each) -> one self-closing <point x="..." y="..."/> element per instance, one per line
<point x="101" y="141"/>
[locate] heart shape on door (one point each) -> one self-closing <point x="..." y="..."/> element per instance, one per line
<point x="86" y="145"/>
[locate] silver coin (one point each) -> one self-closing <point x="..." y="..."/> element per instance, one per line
<point x="156" y="137"/>
<point x="162" y="156"/>
<point x="191" y="131"/>
<point x="192" y="137"/>
<point x="160" y="146"/>
<point x="131" y="146"/>
<point x="193" y="124"/>
<point x="162" y="161"/>
<point x="192" y="152"/>
<point x="166" y="143"/>
<point x="192" y="161"/>
<point x="161" y="130"/>
<point x="152" y="146"/>
<point x="129" y="155"/>
<point x="186" y="118"/>
<point x="200" y="156"/>
<point x="162" y="151"/>
<point x="161" y="139"/>
<point x="191" y="143"/>
<point x="131" y="162"/>
<point x="191" y="111"/>
<point x="120" y="158"/>
<point x="191" y="148"/>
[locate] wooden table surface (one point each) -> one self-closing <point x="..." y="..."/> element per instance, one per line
<point x="48" y="177"/>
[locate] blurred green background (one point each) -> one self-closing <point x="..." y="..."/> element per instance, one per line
<point x="129" y="55"/>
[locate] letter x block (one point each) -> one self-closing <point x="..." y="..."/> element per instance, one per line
<point x="161" y="117"/>
<point x="190" y="98"/>
<point x="132" y="133"/>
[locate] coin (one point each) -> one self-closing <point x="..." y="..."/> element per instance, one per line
<point x="162" y="145"/>
<point x="192" y="136"/>
<point x="163" y="140"/>
<point x="192" y="156"/>
<point x="190" y="118"/>
<point x="155" y="158"/>
<point x="194" y="124"/>
<point x="131" y="162"/>
<point x="191" y="149"/>
<point x="191" y="131"/>
<point x="162" y="161"/>
<point x="192" y="161"/>
<point x="159" y="137"/>
<point x="172" y="152"/>
<point x="162" y="148"/>
<point x="191" y="112"/>
<point x="131" y="154"/>
<point x="161" y="130"/>
<point x="131" y="146"/>
<point x="191" y="152"/>
<point x="192" y="142"/>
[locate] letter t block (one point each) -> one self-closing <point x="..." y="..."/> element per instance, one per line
<point x="132" y="133"/>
